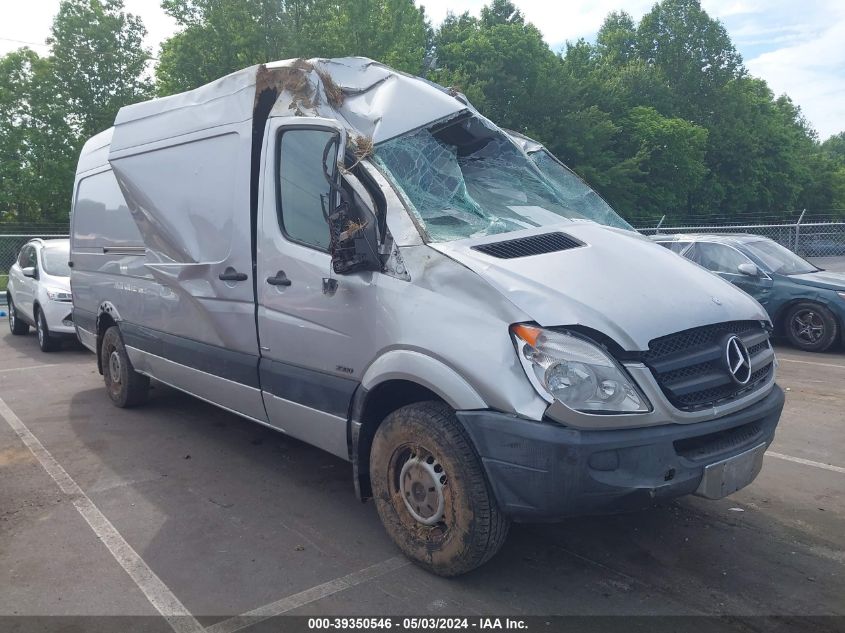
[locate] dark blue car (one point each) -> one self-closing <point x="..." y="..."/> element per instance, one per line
<point x="806" y="304"/>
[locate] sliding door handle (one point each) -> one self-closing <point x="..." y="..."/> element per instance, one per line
<point x="279" y="280"/>
<point x="230" y="274"/>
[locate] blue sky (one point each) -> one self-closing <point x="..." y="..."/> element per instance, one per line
<point x="798" y="47"/>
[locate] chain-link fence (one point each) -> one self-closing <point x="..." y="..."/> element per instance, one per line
<point x="808" y="236"/>
<point x="10" y="246"/>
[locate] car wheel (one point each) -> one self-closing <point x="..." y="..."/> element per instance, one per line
<point x="126" y="387"/>
<point x="811" y="326"/>
<point x="431" y="492"/>
<point x="17" y="326"/>
<point x="46" y="342"/>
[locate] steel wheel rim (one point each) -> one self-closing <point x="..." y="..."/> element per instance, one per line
<point x="414" y="464"/>
<point x="421" y="483"/>
<point x="808" y="326"/>
<point x="114" y="366"/>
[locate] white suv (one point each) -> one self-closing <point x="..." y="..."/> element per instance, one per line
<point x="38" y="292"/>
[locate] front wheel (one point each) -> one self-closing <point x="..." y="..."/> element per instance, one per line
<point x="431" y="492"/>
<point x="811" y="326"/>
<point x="17" y="326"/>
<point x="125" y="386"/>
<point x="46" y="342"/>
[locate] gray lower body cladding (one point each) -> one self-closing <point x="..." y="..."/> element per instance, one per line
<point x="543" y="471"/>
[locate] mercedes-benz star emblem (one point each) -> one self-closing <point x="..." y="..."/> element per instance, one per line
<point x="738" y="360"/>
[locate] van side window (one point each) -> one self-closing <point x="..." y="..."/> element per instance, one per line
<point x="303" y="191"/>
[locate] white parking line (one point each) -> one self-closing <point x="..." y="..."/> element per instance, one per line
<point x="309" y="595"/>
<point x="3" y="371"/>
<point x="167" y="604"/>
<point x="809" y="362"/>
<point x="807" y="462"/>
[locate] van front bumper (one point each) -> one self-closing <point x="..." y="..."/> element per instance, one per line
<point x="544" y="471"/>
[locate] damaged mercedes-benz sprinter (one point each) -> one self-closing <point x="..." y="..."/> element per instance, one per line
<point x="359" y="259"/>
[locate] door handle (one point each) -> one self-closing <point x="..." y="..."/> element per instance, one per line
<point x="279" y="280"/>
<point x="230" y="274"/>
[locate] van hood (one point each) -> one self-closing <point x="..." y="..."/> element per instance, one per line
<point x="821" y="279"/>
<point x="618" y="283"/>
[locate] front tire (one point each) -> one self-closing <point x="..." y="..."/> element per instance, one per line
<point x="46" y="342"/>
<point x="17" y="326"/>
<point x="431" y="492"/>
<point x="811" y="327"/>
<point x="126" y="387"/>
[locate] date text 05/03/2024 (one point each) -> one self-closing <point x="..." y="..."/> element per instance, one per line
<point x="423" y="623"/>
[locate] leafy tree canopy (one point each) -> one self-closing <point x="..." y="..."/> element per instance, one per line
<point x="659" y="115"/>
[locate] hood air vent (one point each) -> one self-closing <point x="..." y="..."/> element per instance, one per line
<point x="525" y="246"/>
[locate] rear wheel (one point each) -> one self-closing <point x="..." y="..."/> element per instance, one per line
<point x="811" y="326"/>
<point x="17" y="326"/>
<point x="46" y="342"/>
<point x="125" y="386"/>
<point x="431" y="492"/>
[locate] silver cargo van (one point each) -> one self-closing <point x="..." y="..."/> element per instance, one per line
<point x="359" y="259"/>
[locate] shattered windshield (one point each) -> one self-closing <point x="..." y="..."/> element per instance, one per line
<point x="466" y="179"/>
<point x="576" y="192"/>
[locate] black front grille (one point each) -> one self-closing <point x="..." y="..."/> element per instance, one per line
<point x="690" y="365"/>
<point x="533" y="245"/>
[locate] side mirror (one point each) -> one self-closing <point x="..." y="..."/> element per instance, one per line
<point x="29" y="271"/>
<point x="749" y="269"/>
<point x="353" y="237"/>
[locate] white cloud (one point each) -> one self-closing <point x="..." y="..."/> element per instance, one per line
<point x="812" y="73"/>
<point x="28" y="23"/>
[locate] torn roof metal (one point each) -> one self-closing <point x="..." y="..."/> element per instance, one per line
<point x="366" y="97"/>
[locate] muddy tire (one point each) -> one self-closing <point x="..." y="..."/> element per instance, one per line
<point x="126" y="387"/>
<point x="431" y="492"/>
<point x="811" y="327"/>
<point x="46" y="341"/>
<point x="17" y="326"/>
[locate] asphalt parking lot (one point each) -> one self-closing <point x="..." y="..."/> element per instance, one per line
<point x="182" y="508"/>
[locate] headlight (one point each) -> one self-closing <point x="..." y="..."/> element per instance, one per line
<point x="58" y="295"/>
<point x="576" y="372"/>
<point x="841" y="295"/>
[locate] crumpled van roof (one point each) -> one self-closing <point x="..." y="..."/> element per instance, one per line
<point x="365" y="96"/>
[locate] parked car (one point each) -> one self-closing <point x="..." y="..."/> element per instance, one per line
<point x="357" y="258"/>
<point x="820" y="244"/>
<point x="804" y="302"/>
<point x="38" y="292"/>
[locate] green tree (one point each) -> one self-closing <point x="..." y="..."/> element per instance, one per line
<point x="37" y="147"/>
<point x="834" y="148"/>
<point x="50" y="105"/>
<point x="99" y="61"/>
<point x="669" y="155"/>
<point x="221" y="36"/>
<point x="692" y="50"/>
<point x="501" y="63"/>
<point x="617" y="38"/>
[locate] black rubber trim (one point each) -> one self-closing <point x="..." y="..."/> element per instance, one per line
<point x="235" y="366"/>
<point x="308" y="387"/>
<point x="543" y="471"/>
